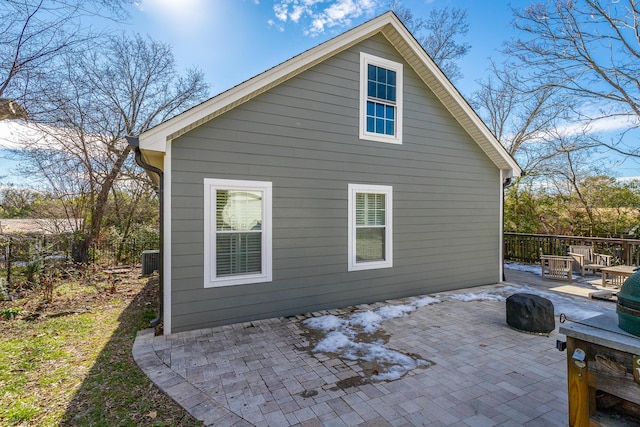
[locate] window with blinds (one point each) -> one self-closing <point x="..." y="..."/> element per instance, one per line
<point x="238" y="232"/>
<point x="370" y="227"/>
<point x="238" y="226"/>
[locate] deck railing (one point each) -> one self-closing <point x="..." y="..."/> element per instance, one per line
<point x="527" y="247"/>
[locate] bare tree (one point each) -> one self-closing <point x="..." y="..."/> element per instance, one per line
<point x="533" y="122"/>
<point x="589" y="49"/>
<point x="527" y="118"/>
<point x="125" y="88"/>
<point x="516" y="113"/>
<point x="438" y="35"/>
<point x="35" y="33"/>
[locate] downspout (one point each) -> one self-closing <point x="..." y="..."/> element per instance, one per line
<point x="135" y="143"/>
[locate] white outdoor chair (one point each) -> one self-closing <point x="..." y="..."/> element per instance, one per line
<point x="556" y="267"/>
<point x="585" y="259"/>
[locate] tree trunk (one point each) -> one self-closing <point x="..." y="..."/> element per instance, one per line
<point x="103" y="196"/>
<point x="80" y="250"/>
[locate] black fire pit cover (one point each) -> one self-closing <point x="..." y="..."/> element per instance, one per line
<point x="530" y="313"/>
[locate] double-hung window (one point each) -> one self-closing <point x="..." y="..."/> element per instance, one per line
<point x="370" y="227"/>
<point x="380" y="99"/>
<point x="237" y="246"/>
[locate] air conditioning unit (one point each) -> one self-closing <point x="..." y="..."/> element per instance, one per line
<point x="150" y="262"/>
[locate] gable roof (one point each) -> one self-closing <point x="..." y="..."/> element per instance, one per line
<point x="387" y="24"/>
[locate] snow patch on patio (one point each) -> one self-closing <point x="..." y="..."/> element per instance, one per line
<point x="345" y="338"/>
<point x="352" y="338"/>
<point x="476" y="296"/>
<point x="529" y="268"/>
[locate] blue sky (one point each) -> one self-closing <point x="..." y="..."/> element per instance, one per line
<point x="234" y="40"/>
<point x="231" y="41"/>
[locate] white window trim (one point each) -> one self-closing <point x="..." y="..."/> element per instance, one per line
<point x="378" y="189"/>
<point x="366" y="59"/>
<point x="210" y="187"/>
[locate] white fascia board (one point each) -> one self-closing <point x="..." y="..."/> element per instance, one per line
<point x="449" y="89"/>
<point x="156" y="138"/>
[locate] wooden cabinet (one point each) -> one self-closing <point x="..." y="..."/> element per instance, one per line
<point x="603" y="373"/>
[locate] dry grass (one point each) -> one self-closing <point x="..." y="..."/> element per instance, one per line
<point x="69" y="362"/>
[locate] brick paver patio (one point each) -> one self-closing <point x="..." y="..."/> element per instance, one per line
<point x="264" y="373"/>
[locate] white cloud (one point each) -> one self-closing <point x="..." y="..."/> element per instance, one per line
<point x="629" y="178"/>
<point x="276" y="25"/>
<point x="616" y="123"/>
<point x="601" y="125"/>
<point x="316" y="16"/>
<point x="19" y="135"/>
<point x="15" y="134"/>
<point x="592" y="125"/>
<point x="296" y="13"/>
<point x="281" y="11"/>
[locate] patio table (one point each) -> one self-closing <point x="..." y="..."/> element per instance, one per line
<point x="617" y="274"/>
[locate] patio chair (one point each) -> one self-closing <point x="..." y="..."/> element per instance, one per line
<point x="556" y="266"/>
<point x="585" y="259"/>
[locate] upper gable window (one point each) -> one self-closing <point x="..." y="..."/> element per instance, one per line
<point x="380" y="99"/>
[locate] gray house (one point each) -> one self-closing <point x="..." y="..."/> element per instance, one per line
<point x="352" y="173"/>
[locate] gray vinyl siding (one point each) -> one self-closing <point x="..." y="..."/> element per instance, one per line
<point x="303" y="137"/>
